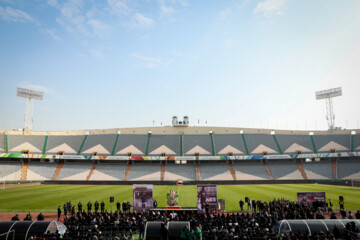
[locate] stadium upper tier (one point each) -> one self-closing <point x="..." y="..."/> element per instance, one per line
<point x="179" y="141"/>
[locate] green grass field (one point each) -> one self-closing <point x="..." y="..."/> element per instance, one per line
<point x="46" y="198"/>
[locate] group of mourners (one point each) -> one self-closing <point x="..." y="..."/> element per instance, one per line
<point x="257" y="224"/>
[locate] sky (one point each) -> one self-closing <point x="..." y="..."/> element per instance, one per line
<point x="134" y="63"/>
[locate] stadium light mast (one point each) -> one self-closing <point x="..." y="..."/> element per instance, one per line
<point x="328" y="95"/>
<point x="29" y="94"/>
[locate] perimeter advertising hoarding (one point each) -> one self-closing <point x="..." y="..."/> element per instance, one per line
<point x="142" y="197"/>
<point x="309" y="198"/>
<point x="207" y="193"/>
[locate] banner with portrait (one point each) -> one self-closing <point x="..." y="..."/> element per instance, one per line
<point x="312" y="199"/>
<point x="207" y="197"/>
<point x="142" y="197"/>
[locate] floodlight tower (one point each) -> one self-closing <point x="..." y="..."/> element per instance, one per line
<point x="328" y="95"/>
<point x="29" y="94"/>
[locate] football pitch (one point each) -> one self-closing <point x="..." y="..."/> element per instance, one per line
<point x="46" y="198"/>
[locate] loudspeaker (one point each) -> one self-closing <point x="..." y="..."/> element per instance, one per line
<point x="341" y="198"/>
<point x="246" y="199"/>
<point x="111" y="199"/>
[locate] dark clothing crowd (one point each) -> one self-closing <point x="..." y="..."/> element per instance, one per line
<point x="256" y="225"/>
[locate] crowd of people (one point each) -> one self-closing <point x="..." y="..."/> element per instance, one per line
<point x="257" y="223"/>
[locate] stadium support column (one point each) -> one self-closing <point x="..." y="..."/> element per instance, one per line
<point x="212" y="143"/>
<point x="82" y="144"/>
<point x="352" y="142"/>
<point x="244" y="141"/>
<point x="115" y="143"/>
<point x="6" y="143"/>
<point x="45" y="144"/>
<point x="148" y="143"/>
<point x="181" y="145"/>
<point x="313" y="143"/>
<point x="277" y="144"/>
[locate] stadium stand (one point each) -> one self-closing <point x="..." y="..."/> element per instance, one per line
<point x="145" y="172"/>
<point x="40" y="171"/>
<point x="108" y="171"/>
<point x="31" y="143"/>
<point x="215" y="171"/>
<point x="327" y="143"/>
<point x="131" y="143"/>
<point x="356" y="144"/>
<point x="318" y="170"/>
<point x="180" y="171"/>
<point x="348" y="169"/>
<point x="260" y="143"/>
<point x="74" y="171"/>
<point x="2" y="143"/>
<point x="229" y="143"/>
<point x="68" y="144"/>
<point x="294" y="143"/>
<point x="168" y="144"/>
<point x="285" y="170"/>
<point x="101" y="144"/>
<point x="250" y="171"/>
<point x="10" y="171"/>
<point x="200" y="144"/>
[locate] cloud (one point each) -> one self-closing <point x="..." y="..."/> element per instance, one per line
<point x="97" y="54"/>
<point x="225" y="13"/>
<point x="166" y="10"/>
<point x="139" y="20"/>
<point x="53" y="3"/>
<point x="119" y="7"/>
<point x="71" y="16"/>
<point x="99" y="28"/>
<point x="149" y="62"/>
<point x="51" y="33"/>
<point x="229" y="42"/>
<point x="271" y="8"/>
<point x="15" y="15"/>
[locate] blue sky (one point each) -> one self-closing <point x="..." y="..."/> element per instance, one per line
<point x="127" y="63"/>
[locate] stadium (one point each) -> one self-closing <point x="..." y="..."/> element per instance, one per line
<point x="259" y="164"/>
<point x="179" y="120"/>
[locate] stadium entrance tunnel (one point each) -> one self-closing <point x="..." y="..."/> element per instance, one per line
<point x="316" y="226"/>
<point x="26" y="229"/>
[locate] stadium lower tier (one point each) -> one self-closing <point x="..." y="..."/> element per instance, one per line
<point x="170" y="171"/>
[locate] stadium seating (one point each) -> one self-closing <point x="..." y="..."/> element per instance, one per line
<point x="294" y="143"/>
<point x="145" y="172"/>
<point x="225" y="143"/>
<point x="348" y="169"/>
<point x="326" y="143"/>
<point x="259" y="143"/>
<point x="74" y="171"/>
<point x="168" y="144"/>
<point x="108" y="171"/>
<point x="10" y="171"/>
<point x="40" y="171"/>
<point x="101" y="144"/>
<point x="318" y="170"/>
<point x="68" y="144"/>
<point x="200" y="144"/>
<point x="285" y="170"/>
<point x="250" y="171"/>
<point x="215" y="171"/>
<point x="32" y="143"/>
<point x="131" y="143"/>
<point x="180" y="171"/>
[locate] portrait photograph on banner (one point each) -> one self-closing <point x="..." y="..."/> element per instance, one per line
<point x="142" y="197"/>
<point x="207" y="198"/>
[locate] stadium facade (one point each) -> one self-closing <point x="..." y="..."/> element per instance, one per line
<point x="161" y="154"/>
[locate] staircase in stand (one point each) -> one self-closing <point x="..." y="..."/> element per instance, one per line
<point x="334" y="173"/>
<point x="303" y="173"/>
<point x="24" y="171"/>
<point x="57" y="172"/>
<point x="197" y="172"/>
<point x="91" y="171"/>
<point x="232" y="171"/>
<point x="268" y="171"/>
<point x="127" y="172"/>
<point x="162" y="172"/>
